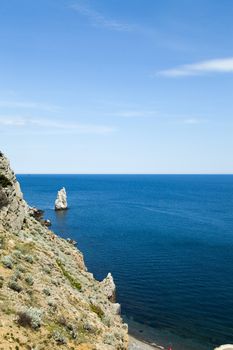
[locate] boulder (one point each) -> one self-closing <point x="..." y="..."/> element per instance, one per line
<point x="36" y="213"/>
<point x="46" y="222"/>
<point x="61" y="201"/>
<point x="71" y="241"/>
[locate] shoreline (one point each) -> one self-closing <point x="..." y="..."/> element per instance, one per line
<point x="144" y="337"/>
<point x="136" y="344"/>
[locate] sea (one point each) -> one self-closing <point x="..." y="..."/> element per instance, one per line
<point x="166" y="239"/>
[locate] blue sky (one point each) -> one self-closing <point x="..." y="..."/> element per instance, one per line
<point x="117" y="86"/>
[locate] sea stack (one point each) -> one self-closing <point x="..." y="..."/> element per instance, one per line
<point x="61" y="201"/>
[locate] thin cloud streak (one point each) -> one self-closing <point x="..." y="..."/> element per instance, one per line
<point x="224" y="65"/>
<point x="135" y="113"/>
<point x="193" y="121"/>
<point x="98" y="19"/>
<point x="29" y="105"/>
<point x="53" y="126"/>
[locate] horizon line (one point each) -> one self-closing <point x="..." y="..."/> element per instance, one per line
<point x="120" y="174"/>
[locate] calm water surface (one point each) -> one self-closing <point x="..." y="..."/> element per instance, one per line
<point x="167" y="239"/>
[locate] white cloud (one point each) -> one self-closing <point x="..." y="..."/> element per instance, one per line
<point x="193" y="121"/>
<point x="134" y="113"/>
<point x="98" y="19"/>
<point x="5" y="121"/>
<point x="29" y="105"/>
<point x="224" y="65"/>
<point x="50" y="126"/>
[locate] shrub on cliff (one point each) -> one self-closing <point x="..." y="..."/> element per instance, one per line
<point x="29" y="280"/>
<point x="75" y="284"/>
<point x="1" y="281"/>
<point x="15" y="286"/>
<point x="4" y="182"/>
<point x="30" y="317"/>
<point x="29" y="259"/>
<point x="7" y="262"/>
<point x="3" y="199"/>
<point x="59" y="337"/>
<point x="2" y="243"/>
<point x="97" y="310"/>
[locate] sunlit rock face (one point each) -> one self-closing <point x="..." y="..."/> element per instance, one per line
<point x="61" y="201"/>
<point x="13" y="209"/>
<point x="109" y="287"/>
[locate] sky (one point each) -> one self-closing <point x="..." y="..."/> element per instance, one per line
<point x="117" y="86"/>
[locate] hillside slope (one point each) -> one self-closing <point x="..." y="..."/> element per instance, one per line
<point x="48" y="299"/>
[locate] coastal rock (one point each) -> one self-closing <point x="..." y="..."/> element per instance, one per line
<point x="71" y="241"/>
<point x="46" y="223"/>
<point x="61" y="201"/>
<point x="38" y="215"/>
<point x="109" y="288"/>
<point x="117" y="308"/>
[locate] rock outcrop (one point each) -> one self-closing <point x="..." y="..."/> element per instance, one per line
<point x="38" y="214"/>
<point x="61" y="201"/>
<point x="13" y="208"/>
<point x="48" y="299"/>
<point x="109" y="287"/>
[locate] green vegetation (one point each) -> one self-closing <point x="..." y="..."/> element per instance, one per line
<point x="29" y="280"/>
<point x="7" y="310"/>
<point x="4" y="182"/>
<point x="15" y="286"/>
<point x="25" y="248"/>
<point x="59" y="337"/>
<point x="3" y="198"/>
<point x="30" y="317"/>
<point x="1" y="281"/>
<point x="46" y="291"/>
<point x="2" y="243"/>
<point x="21" y="268"/>
<point x="7" y="262"/>
<point x="96" y="309"/>
<point x="75" y="284"/>
<point x="29" y="258"/>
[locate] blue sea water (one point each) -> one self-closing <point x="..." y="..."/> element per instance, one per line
<point x="167" y="239"/>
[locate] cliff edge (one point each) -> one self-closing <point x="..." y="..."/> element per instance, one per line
<point x="48" y="299"/>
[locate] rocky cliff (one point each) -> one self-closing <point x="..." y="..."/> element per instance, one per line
<point x="48" y="299"/>
<point x="13" y="208"/>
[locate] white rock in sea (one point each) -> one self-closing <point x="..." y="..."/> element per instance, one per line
<point x="61" y="201"/>
<point x="225" y="347"/>
<point x="109" y="287"/>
